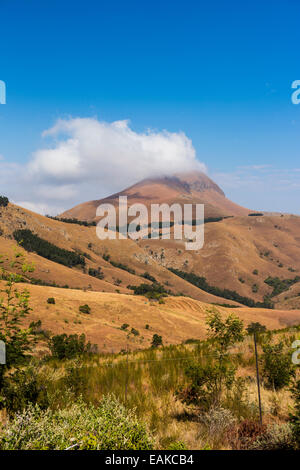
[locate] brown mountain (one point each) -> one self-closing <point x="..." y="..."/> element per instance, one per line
<point x="196" y="188"/>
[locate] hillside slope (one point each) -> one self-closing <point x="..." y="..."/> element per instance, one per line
<point x="83" y="240"/>
<point x="177" y="320"/>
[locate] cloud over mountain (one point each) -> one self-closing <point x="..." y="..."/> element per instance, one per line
<point x="84" y="158"/>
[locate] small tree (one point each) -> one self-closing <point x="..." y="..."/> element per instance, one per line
<point x="256" y="327"/>
<point x="14" y="306"/>
<point x="278" y="368"/>
<point x="209" y="378"/>
<point x="224" y="333"/>
<point x="85" y="309"/>
<point x="68" y="346"/>
<point x="156" y="341"/>
<point x="3" y="201"/>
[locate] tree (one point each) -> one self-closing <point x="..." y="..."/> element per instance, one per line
<point x="208" y="378"/>
<point x="68" y="346"/>
<point x="278" y="368"/>
<point x="156" y="341"/>
<point x="224" y="333"/>
<point x="3" y="201"/>
<point x="14" y="306"/>
<point x="256" y="327"/>
<point x="85" y="309"/>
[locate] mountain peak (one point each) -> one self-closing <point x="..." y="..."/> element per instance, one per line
<point x="181" y="188"/>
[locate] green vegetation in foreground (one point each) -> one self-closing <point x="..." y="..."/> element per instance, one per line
<point x="32" y="242"/>
<point x="225" y="293"/>
<point x="106" y="426"/>
<point x="197" y="395"/>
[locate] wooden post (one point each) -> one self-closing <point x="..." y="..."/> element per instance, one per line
<point x="126" y="379"/>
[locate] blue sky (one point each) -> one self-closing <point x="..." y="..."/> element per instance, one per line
<point x="218" y="72"/>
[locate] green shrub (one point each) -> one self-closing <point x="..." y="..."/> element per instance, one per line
<point x="278" y="368"/>
<point x="22" y="387"/>
<point x="148" y="276"/>
<point x="124" y="326"/>
<point x="134" y="332"/>
<point x="276" y="437"/>
<point x="207" y="382"/>
<point x="85" y="309"/>
<point x="51" y="300"/>
<point x="96" y="273"/>
<point x="110" y="426"/>
<point x="151" y="291"/>
<point x="3" y="201"/>
<point x="68" y="346"/>
<point x="156" y="341"/>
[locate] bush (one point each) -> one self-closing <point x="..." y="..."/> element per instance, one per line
<point x="276" y="437"/>
<point x="124" y="326"/>
<point x="217" y="421"/>
<point x="156" y="341"/>
<point x="3" y="201"/>
<point x="96" y="273"/>
<point x="151" y="291"/>
<point x="66" y="347"/>
<point x="278" y="368"/>
<point x="148" y="276"/>
<point x="206" y="384"/>
<point x="134" y="332"/>
<point x="242" y="436"/>
<point x="110" y="426"/>
<point x="51" y="300"/>
<point x="22" y="387"/>
<point x="85" y="309"/>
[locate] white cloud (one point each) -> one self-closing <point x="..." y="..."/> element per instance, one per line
<point x="110" y="153"/>
<point x="88" y="159"/>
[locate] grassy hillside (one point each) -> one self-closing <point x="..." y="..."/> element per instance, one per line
<point x="149" y="381"/>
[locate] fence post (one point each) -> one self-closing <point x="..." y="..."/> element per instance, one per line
<point x="126" y="378"/>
